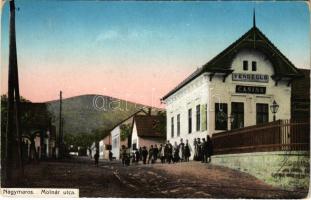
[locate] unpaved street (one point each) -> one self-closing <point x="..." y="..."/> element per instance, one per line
<point x="183" y="180"/>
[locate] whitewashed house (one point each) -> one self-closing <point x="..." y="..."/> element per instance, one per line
<point x="101" y="146"/>
<point x="92" y="150"/>
<point x="233" y="90"/>
<point x="146" y="131"/>
<point x="104" y="147"/>
<point x="116" y="142"/>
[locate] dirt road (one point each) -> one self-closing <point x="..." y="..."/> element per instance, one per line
<point x="183" y="180"/>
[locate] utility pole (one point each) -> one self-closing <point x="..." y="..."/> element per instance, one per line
<point x="60" y="139"/>
<point x="13" y="168"/>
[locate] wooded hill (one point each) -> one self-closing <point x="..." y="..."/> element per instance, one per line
<point x="86" y="113"/>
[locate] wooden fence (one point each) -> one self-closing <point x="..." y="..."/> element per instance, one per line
<point x="281" y="135"/>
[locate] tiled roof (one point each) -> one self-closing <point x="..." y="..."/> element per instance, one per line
<point x="147" y="126"/>
<point x="142" y="111"/>
<point x="252" y="39"/>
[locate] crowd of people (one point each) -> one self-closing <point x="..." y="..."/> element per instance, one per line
<point x="169" y="153"/>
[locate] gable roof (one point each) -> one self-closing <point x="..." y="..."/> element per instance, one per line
<point x="252" y="39"/>
<point x="146" y="126"/>
<point x="132" y="115"/>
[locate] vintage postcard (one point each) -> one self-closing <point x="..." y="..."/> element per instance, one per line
<point x="161" y="99"/>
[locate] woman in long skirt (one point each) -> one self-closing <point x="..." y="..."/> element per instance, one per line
<point x="176" y="152"/>
<point x="187" y="151"/>
<point x="195" y="144"/>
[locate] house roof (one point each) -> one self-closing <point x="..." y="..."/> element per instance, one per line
<point x="148" y="126"/>
<point x="135" y="113"/>
<point x="252" y="39"/>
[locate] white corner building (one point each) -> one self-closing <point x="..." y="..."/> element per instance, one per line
<point x="233" y="90"/>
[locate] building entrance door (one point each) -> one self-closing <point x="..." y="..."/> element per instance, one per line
<point x="237" y="112"/>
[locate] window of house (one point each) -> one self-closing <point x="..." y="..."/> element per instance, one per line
<point x="262" y="113"/>
<point x="198" y="117"/>
<point x="254" y="66"/>
<point x="108" y="147"/>
<point x="206" y="112"/>
<point x="172" y="127"/>
<point x="115" y="142"/>
<point x="178" y="125"/>
<point x="237" y="114"/>
<point x="204" y="117"/>
<point x="221" y="113"/>
<point x="190" y="120"/>
<point x="245" y="65"/>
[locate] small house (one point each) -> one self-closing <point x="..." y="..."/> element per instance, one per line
<point x="104" y="147"/>
<point x="147" y="130"/>
<point x="118" y="138"/>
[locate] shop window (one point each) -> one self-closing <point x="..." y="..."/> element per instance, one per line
<point x="198" y="117"/>
<point x="262" y="113"/>
<point x="190" y="120"/>
<point x="172" y="127"/>
<point x="237" y="114"/>
<point x="178" y="125"/>
<point x="221" y="116"/>
<point x="254" y="66"/>
<point x="245" y="65"/>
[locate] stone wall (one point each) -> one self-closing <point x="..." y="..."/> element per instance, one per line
<point x="286" y="169"/>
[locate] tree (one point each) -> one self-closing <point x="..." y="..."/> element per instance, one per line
<point x="84" y="140"/>
<point x="69" y="139"/>
<point x="99" y="134"/>
<point x="4" y="119"/>
<point x="161" y="125"/>
<point x="4" y="112"/>
<point x="33" y="116"/>
<point x="125" y="131"/>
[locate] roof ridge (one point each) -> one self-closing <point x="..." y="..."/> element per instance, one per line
<point x="212" y="63"/>
<point x="240" y="39"/>
<point x="276" y="48"/>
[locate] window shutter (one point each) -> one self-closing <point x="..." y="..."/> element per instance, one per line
<point x="203" y="117"/>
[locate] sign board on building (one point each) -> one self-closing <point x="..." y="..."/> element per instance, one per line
<point x="250" y="89"/>
<point x="263" y="78"/>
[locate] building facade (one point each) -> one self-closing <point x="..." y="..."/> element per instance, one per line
<point x="233" y="90"/>
<point x="146" y="131"/>
<point x="115" y="133"/>
<point x="104" y="147"/>
<point x="116" y="142"/>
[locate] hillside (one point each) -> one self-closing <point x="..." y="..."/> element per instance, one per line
<point x="81" y="116"/>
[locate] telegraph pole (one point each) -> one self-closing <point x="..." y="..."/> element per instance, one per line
<point x="60" y="139"/>
<point x="13" y="168"/>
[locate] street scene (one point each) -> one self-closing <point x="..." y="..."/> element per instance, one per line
<point x="180" y="180"/>
<point x="155" y="99"/>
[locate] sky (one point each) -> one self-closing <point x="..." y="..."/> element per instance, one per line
<point x="137" y="51"/>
